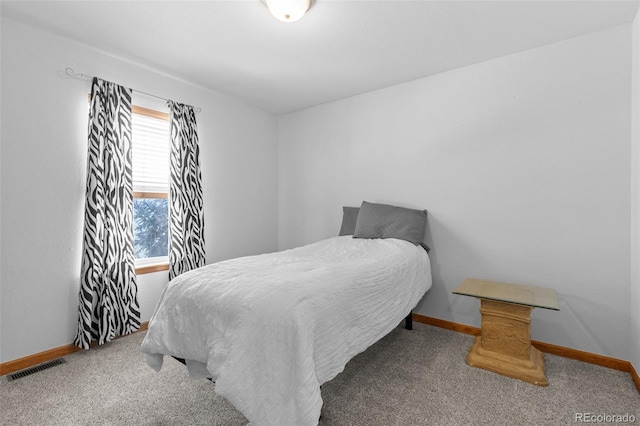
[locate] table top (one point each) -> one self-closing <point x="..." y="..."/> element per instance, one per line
<point x="528" y="295"/>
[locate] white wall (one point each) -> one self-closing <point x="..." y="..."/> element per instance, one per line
<point x="635" y="197"/>
<point x="522" y="162"/>
<point x="43" y="154"/>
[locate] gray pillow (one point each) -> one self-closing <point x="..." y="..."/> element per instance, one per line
<point x="385" y="221"/>
<point x="349" y="217"/>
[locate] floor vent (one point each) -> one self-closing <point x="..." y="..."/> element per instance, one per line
<point x="27" y="371"/>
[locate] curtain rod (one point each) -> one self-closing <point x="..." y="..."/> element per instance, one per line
<point x="69" y="73"/>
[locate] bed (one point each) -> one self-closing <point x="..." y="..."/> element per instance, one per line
<point x="271" y="329"/>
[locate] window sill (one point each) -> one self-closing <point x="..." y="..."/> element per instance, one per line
<point x="148" y="269"/>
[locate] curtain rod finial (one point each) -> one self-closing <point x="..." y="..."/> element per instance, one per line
<point x="69" y="73"/>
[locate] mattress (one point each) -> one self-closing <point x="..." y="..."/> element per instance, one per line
<point x="270" y="329"/>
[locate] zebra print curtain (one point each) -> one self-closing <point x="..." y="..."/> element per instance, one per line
<point x="108" y="290"/>
<point x="186" y="228"/>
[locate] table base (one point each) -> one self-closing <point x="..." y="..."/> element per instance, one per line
<point x="504" y="344"/>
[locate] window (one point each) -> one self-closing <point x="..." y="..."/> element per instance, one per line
<point x="150" y="158"/>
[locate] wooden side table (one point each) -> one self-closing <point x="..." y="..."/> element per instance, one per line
<point x="504" y="343"/>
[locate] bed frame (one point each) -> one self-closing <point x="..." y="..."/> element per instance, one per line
<point x="408" y="321"/>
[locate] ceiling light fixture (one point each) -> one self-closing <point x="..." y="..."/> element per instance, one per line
<point x="288" y="10"/>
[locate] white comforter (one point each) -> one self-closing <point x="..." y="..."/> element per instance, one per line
<point x="270" y="329"/>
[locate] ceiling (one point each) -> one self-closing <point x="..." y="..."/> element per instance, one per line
<point x="339" y="49"/>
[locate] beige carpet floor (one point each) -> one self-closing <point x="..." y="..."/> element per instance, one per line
<point x="414" y="377"/>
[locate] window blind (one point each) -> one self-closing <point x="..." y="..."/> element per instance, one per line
<point x="150" y="152"/>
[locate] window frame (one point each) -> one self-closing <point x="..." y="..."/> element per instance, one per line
<point x="162" y="264"/>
